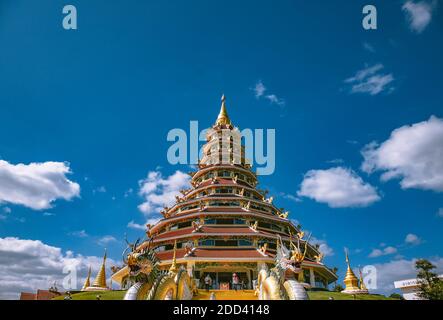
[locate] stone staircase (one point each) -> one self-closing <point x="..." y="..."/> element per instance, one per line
<point x="225" y="295"/>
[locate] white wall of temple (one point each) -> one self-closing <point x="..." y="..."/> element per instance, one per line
<point x="409" y="288"/>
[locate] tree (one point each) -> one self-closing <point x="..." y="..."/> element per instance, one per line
<point x="338" y="288"/>
<point x="430" y="285"/>
<point x="396" y="296"/>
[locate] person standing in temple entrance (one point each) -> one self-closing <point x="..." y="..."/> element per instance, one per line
<point x="235" y="281"/>
<point x="208" y="282"/>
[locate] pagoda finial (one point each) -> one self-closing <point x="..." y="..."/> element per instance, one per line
<point x="100" y="280"/>
<point x="223" y="118"/>
<point x="349" y="270"/>
<point x="88" y="280"/>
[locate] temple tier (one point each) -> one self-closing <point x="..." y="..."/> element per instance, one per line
<point x="224" y="225"/>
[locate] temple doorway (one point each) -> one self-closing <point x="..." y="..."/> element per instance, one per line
<point x="221" y="275"/>
<point x="224" y="280"/>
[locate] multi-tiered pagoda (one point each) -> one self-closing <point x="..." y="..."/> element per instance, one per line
<point x="223" y="224"/>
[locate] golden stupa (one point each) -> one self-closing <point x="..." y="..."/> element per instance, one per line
<point x="99" y="283"/>
<point x="87" y="283"/>
<point x="362" y="283"/>
<point x="351" y="281"/>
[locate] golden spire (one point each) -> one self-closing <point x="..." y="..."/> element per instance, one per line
<point x="223" y="118"/>
<point x="349" y="272"/>
<point x="351" y="281"/>
<point x="173" y="268"/>
<point x="362" y="282"/>
<point x="100" y="280"/>
<point x="87" y="281"/>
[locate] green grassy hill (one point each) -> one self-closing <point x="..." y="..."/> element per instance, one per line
<point x="324" y="295"/>
<point x="313" y="295"/>
<point x="104" y="295"/>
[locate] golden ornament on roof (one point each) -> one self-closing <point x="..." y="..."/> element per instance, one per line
<point x="223" y="118"/>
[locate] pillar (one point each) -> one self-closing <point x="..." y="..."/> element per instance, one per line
<point x="312" y="277"/>
<point x="190" y="268"/>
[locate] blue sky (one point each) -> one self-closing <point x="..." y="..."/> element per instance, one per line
<point x="102" y="98"/>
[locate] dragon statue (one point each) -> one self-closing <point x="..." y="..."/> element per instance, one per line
<point x="151" y="283"/>
<point x="281" y="282"/>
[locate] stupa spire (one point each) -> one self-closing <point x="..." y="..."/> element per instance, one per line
<point x="362" y="282"/>
<point x="349" y="273"/>
<point x="223" y="118"/>
<point x="87" y="283"/>
<point x="100" y="279"/>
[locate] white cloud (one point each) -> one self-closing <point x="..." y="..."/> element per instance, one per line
<point x="396" y="270"/>
<point x="376" y="253"/>
<point x="289" y="197"/>
<point x="136" y="226"/>
<point x="159" y="192"/>
<point x="390" y="250"/>
<point x="101" y="189"/>
<point x="354" y="142"/>
<point x="102" y="241"/>
<point x="418" y="14"/>
<point x="106" y="240"/>
<point x="370" y="80"/>
<point x="153" y="221"/>
<point x="323" y="246"/>
<point x="338" y="187"/>
<point x="28" y="265"/>
<point x="79" y="234"/>
<point x="273" y="99"/>
<point x="128" y="192"/>
<point x="368" y="47"/>
<point x="36" y="185"/>
<point x="412" y="239"/>
<point x="4" y="213"/>
<point x="336" y="161"/>
<point x="259" y="91"/>
<point x="412" y="153"/>
<point x="382" y="252"/>
<point x="440" y="213"/>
